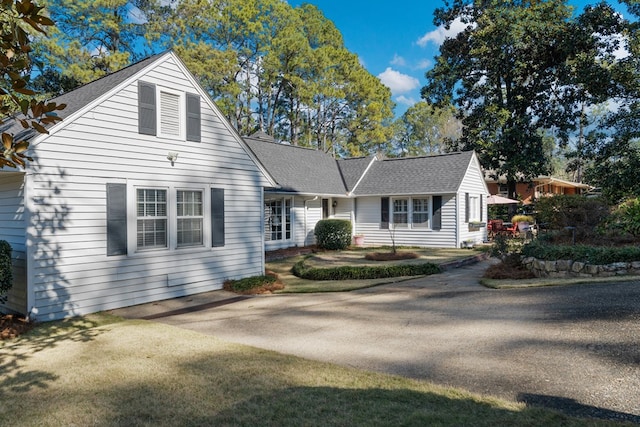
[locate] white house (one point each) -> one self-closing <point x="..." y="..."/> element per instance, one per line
<point x="143" y="192"/>
<point x="430" y="201"/>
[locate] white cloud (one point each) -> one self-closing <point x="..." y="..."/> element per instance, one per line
<point x="439" y="35"/>
<point x="423" y="64"/>
<point x="409" y="101"/>
<point x="398" y="60"/>
<point x="398" y="82"/>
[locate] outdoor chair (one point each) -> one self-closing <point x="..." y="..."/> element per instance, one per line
<point x="512" y="231"/>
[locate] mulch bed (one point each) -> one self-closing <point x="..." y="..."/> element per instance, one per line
<point x="509" y="268"/>
<point x="288" y="252"/>
<point x="390" y="256"/>
<point x="11" y="326"/>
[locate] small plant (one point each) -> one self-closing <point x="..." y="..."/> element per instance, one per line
<point x="333" y="234"/>
<point x="522" y="218"/>
<point x="254" y="285"/>
<point x="6" y="275"/>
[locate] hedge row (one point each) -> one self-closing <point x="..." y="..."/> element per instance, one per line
<point x="363" y="272"/>
<point x="589" y="254"/>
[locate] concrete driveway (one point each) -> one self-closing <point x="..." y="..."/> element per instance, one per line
<point x="574" y="348"/>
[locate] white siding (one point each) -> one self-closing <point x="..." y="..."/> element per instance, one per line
<point x="367" y="214"/>
<point x="71" y="273"/>
<point x="474" y="184"/>
<point x="309" y="217"/>
<point x="12" y="222"/>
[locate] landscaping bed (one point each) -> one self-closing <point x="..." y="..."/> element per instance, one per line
<point x="12" y="325"/>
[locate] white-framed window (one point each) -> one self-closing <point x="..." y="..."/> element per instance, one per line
<point x="190" y="218"/>
<point x="474" y="207"/>
<point x="420" y="212"/>
<point x="410" y="212"/>
<point x="151" y="218"/>
<point x="400" y="212"/>
<point x="277" y="218"/>
<point x="143" y="217"/>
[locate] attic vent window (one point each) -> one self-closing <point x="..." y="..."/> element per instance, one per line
<point x="169" y="114"/>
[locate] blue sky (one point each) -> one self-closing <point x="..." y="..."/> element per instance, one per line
<point x="395" y="41"/>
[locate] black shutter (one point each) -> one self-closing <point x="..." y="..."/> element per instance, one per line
<point x="193" y="117"/>
<point x="384" y="213"/>
<point x="116" y="219"/>
<point x="467" y="207"/>
<point x="146" y="108"/>
<point x="481" y="207"/>
<point x="436" y="215"/>
<point x="217" y="217"/>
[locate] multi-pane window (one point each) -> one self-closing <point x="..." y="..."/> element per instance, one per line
<point x="151" y="213"/>
<point x="169" y="114"/>
<point x="420" y="213"/>
<point x="278" y="219"/>
<point x="190" y="215"/>
<point x="400" y="212"/>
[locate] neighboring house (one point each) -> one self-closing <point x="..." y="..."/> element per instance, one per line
<point x="542" y="186"/>
<point x="144" y="192"/>
<point x="433" y="201"/>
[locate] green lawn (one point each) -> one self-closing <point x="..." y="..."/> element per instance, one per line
<point x="355" y="257"/>
<point x="103" y="371"/>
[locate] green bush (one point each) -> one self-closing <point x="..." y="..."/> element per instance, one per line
<point x="333" y="234"/>
<point x="625" y="218"/>
<point x="588" y="254"/>
<point x="249" y="283"/>
<point x="6" y="275"/>
<point x="562" y="211"/>
<point x="363" y="272"/>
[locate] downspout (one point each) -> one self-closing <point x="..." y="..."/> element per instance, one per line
<point x="31" y="247"/>
<point x="305" y="218"/>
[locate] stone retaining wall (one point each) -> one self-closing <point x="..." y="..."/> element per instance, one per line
<point x="569" y="268"/>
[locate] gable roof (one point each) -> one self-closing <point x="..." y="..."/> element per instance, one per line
<point x="84" y="96"/>
<point x="78" y="98"/>
<point x="308" y="171"/>
<point x="352" y="169"/>
<point x="437" y="174"/>
<point x="297" y="169"/>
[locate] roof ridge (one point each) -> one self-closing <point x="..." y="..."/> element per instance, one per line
<point x="274" y="142"/>
<point x="108" y="75"/>
<point x="428" y="156"/>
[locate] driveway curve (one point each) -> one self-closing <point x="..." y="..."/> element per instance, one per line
<point x="572" y="348"/>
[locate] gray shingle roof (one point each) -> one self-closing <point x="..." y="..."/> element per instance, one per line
<point x="416" y="175"/>
<point x="82" y="96"/>
<point x="297" y="169"/>
<point x="307" y="171"/>
<point x="352" y="169"/>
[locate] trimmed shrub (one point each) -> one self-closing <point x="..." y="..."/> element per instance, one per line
<point x="363" y="272"/>
<point x="333" y="234"/>
<point x="6" y="275"/>
<point x="588" y="254"/>
<point x="255" y="284"/>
